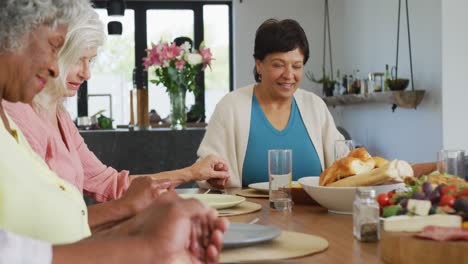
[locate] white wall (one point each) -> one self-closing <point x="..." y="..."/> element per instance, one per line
<point x="455" y="69"/>
<point x="364" y="37"/>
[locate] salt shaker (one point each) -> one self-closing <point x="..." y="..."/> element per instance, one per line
<point x="366" y="226"/>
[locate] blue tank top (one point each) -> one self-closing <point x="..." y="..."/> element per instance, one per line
<point x="263" y="136"/>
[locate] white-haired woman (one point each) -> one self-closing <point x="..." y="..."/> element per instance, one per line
<point x="52" y="134"/>
<point x="36" y="203"/>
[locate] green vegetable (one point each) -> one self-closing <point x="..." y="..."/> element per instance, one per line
<point x="391" y="210"/>
<point x="105" y="122"/>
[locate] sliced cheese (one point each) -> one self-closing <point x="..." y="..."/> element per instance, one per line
<point x="404" y="223"/>
<point x="419" y="207"/>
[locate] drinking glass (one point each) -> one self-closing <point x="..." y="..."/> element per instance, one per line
<point x="342" y="148"/>
<point x="451" y="161"/>
<point x="280" y="177"/>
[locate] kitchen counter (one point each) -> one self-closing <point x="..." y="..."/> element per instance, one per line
<point x="145" y="151"/>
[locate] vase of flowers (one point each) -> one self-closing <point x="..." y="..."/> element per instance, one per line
<point x="178" y="111"/>
<point x="176" y="67"/>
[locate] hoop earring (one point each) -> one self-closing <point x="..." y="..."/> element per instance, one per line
<point x="260" y="77"/>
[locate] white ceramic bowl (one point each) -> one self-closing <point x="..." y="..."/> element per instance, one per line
<point x="338" y="199"/>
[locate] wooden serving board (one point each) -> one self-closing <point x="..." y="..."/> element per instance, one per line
<point x="404" y="248"/>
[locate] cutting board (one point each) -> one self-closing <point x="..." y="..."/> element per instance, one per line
<point x="404" y="248"/>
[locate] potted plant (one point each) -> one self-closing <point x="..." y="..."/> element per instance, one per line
<point x="328" y="84"/>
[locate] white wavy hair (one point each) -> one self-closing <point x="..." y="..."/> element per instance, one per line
<point x="85" y="32"/>
<point x="20" y="17"/>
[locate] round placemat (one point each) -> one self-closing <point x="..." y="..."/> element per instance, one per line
<point x="243" y="208"/>
<point x="251" y="193"/>
<point x="287" y="245"/>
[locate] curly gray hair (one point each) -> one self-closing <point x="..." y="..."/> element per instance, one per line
<point x="19" y="17"/>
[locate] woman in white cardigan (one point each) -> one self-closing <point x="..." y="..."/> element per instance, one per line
<point x="272" y="114"/>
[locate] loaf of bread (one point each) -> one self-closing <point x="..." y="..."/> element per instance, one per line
<point x="358" y="161"/>
<point x="379" y="161"/>
<point x="359" y="168"/>
<point x="392" y="172"/>
<point x="360" y="153"/>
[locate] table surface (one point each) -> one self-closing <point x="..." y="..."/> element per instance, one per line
<point x="315" y="220"/>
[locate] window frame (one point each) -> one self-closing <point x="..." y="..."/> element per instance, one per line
<point x="140" y="8"/>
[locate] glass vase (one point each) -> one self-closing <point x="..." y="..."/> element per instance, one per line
<point x="178" y="113"/>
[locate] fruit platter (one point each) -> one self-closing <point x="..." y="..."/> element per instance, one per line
<point x="425" y="222"/>
<point x="430" y="194"/>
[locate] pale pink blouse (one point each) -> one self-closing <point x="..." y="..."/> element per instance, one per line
<point x="67" y="154"/>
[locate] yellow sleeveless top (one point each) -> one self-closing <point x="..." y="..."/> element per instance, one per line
<point x="34" y="201"/>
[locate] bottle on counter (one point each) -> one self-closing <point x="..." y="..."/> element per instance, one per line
<point x="387" y="77"/>
<point x="142" y="100"/>
<point x="377" y="81"/>
<point x="133" y="100"/>
<point x="365" y="86"/>
<point x="344" y="83"/>
<point x="366" y="227"/>
<point x="350" y="84"/>
<point x="338" y="86"/>
<point x="357" y="82"/>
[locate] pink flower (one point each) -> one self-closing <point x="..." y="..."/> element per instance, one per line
<point x="170" y="52"/>
<point x="206" y="57"/>
<point x="153" y="58"/>
<point x="180" y="64"/>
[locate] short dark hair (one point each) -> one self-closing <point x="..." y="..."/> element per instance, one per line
<point x="279" y="36"/>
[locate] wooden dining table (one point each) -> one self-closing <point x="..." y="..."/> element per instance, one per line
<point x="315" y="220"/>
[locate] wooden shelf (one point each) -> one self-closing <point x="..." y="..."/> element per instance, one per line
<point x="404" y="99"/>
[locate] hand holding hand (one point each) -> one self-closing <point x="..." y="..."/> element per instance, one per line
<point x="210" y="167"/>
<point x="142" y="191"/>
<point x="185" y="231"/>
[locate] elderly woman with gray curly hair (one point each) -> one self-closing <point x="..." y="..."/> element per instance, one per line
<point x="37" y="208"/>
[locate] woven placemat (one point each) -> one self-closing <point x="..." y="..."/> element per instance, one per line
<point x="287" y="245"/>
<point x="243" y="208"/>
<point x="251" y="193"/>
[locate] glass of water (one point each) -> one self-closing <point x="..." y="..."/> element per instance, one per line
<point x="342" y="148"/>
<point x="280" y="177"/>
<point x="451" y="161"/>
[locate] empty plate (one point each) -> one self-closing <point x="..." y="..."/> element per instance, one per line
<point x="241" y="235"/>
<point x="263" y="187"/>
<point x="218" y="201"/>
<point x="260" y="186"/>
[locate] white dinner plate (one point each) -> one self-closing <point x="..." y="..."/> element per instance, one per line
<point x="260" y="186"/>
<point x="263" y="187"/>
<point x="218" y="201"/>
<point x="241" y="235"/>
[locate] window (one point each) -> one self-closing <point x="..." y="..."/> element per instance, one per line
<point x="112" y="74"/>
<point x="217" y="84"/>
<point x="146" y="22"/>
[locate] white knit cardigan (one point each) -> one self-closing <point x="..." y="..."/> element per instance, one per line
<point x="227" y="133"/>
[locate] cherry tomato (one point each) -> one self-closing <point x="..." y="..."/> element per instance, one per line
<point x="450" y="189"/>
<point x="390" y="194"/>
<point x="447" y="200"/>
<point x="383" y="200"/>
<point x="462" y="193"/>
